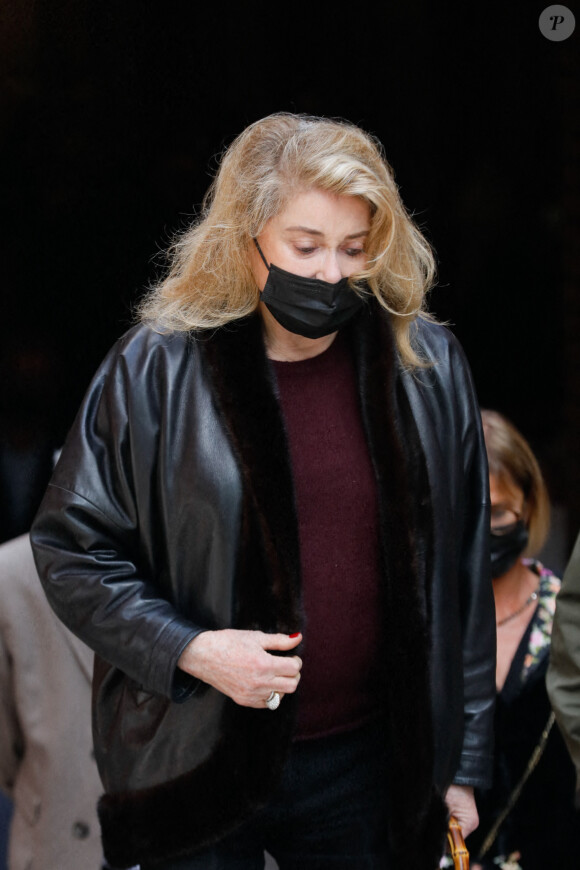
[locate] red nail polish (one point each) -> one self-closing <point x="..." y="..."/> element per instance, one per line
<point x="296" y="634"/>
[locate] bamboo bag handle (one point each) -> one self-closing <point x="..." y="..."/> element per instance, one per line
<point x="457" y="848"/>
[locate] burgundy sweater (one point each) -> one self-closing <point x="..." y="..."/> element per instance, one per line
<point x="337" y="508"/>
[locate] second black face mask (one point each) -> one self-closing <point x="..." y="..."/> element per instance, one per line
<point x="506" y="549"/>
<point x="308" y="306"/>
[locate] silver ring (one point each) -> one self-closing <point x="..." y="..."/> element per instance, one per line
<point x="273" y="701"/>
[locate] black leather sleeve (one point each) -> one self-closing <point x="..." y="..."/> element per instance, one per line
<point x="477" y="606"/>
<point x="463" y="653"/>
<point x="96" y="573"/>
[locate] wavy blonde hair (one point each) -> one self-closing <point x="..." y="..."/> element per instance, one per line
<point x="210" y="282"/>
<point x="512" y="461"/>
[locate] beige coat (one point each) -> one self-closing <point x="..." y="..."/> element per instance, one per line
<point x="46" y="763"/>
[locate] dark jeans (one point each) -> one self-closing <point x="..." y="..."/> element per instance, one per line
<point x="328" y="814"/>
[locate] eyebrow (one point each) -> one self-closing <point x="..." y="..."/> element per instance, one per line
<point x="313" y="232"/>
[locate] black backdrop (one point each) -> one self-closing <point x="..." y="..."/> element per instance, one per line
<point x="113" y="112"/>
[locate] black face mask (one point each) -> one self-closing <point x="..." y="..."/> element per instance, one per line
<point x="506" y="549"/>
<point x="308" y="306"/>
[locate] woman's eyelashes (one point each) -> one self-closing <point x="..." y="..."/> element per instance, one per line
<point x="308" y="251"/>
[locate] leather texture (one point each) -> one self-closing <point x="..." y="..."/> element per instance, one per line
<point x="177" y="459"/>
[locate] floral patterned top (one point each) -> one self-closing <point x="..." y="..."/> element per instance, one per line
<point x="541" y="629"/>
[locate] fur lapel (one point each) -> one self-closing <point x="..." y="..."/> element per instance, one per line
<point x="245" y="394"/>
<point x="417" y="816"/>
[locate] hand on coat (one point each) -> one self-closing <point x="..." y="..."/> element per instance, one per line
<point x="461" y="803"/>
<point x="239" y="664"/>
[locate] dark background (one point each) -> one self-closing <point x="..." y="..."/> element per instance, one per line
<point x="112" y="114"/>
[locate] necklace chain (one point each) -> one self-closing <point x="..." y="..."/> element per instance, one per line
<point x="510" y="616"/>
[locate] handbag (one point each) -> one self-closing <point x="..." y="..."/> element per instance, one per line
<point x="457" y="846"/>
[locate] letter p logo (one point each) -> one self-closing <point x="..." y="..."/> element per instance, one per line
<point x="557" y="23"/>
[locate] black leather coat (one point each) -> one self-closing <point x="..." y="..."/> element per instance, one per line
<point x="171" y="511"/>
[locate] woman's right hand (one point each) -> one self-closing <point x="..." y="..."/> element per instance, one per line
<point x="240" y="664"/>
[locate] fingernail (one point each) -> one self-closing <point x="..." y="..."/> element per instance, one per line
<point x="296" y="634"/>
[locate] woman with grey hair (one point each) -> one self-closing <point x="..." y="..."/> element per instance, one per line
<point x="270" y="522"/>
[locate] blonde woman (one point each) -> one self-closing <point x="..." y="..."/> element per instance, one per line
<point x="527" y="817"/>
<point x="270" y="521"/>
